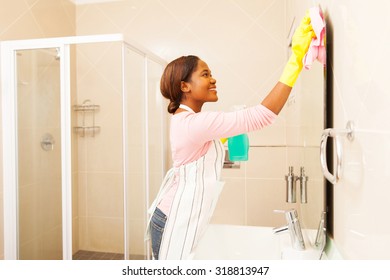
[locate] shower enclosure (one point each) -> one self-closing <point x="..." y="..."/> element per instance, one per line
<point x="83" y="146"/>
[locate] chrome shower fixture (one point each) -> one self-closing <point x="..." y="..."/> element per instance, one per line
<point x="303" y="185"/>
<point x="291" y="194"/>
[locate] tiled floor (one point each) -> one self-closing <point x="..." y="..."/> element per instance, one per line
<point x="91" y="255"/>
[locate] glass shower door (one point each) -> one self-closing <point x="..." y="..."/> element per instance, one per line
<point x="64" y="192"/>
<point x="39" y="186"/>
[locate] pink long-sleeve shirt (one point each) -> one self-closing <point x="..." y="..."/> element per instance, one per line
<point x="191" y="134"/>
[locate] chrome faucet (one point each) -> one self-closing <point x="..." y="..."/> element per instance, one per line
<point x="293" y="227"/>
<point x="320" y="240"/>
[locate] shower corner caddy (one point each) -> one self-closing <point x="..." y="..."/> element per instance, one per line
<point x="88" y="127"/>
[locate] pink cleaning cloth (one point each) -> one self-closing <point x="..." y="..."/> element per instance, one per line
<point x="317" y="49"/>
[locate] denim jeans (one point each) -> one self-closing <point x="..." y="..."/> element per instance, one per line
<point x="157" y="226"/>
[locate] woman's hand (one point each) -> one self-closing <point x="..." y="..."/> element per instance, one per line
<point x="301" y="40"/>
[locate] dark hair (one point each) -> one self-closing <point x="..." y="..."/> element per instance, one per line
<point x="177" y="71"/>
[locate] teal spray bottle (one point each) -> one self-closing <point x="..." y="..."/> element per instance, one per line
<point x="238" y="145"/>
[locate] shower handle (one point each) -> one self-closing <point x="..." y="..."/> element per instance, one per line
<point x="47" y="142"/>
<point x="335" y="134"/>
<point x="324" y="165"/>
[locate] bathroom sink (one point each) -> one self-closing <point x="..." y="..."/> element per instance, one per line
<point x="232" y="242"/>
<point x="310" y="253"/>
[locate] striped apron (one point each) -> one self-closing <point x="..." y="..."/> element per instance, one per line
<point x="193" y="204"/>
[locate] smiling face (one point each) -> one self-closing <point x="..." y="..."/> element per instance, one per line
<point x="200" y="89"/>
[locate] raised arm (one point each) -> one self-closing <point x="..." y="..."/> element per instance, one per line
<point x="301" y="40"/>
<point x="278" y="96"/>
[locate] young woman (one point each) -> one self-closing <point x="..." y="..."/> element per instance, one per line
<point x="190" y="190"/>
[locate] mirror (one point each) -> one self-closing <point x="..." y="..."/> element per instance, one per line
<point x="258" y="187"/>
<point x="306" y="119"/>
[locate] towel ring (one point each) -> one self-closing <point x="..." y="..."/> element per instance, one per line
<point x="335" y="134"/>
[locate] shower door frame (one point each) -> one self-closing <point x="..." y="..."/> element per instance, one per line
<point x="9" y="123"/>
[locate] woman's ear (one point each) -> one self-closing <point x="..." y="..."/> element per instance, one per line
<point x="185" y="87"/>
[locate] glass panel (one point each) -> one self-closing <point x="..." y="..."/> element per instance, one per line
<point x="156" y="129"/>
<point x="39" y="154"/>
<point x="97" y="155"/>
<point x="135" y="106"/>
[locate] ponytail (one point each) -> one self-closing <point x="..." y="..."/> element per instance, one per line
<point x="177" y="71"/>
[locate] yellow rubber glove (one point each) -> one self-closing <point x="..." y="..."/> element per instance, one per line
<point x="300" y="44"/>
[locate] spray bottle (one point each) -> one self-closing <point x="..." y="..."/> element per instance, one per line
<point x="238" y="145"/>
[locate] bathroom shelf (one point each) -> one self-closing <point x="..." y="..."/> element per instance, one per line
<point x="88" y="127"/>
<point x="85" y="130"/>
<point x="86" y="108"/>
